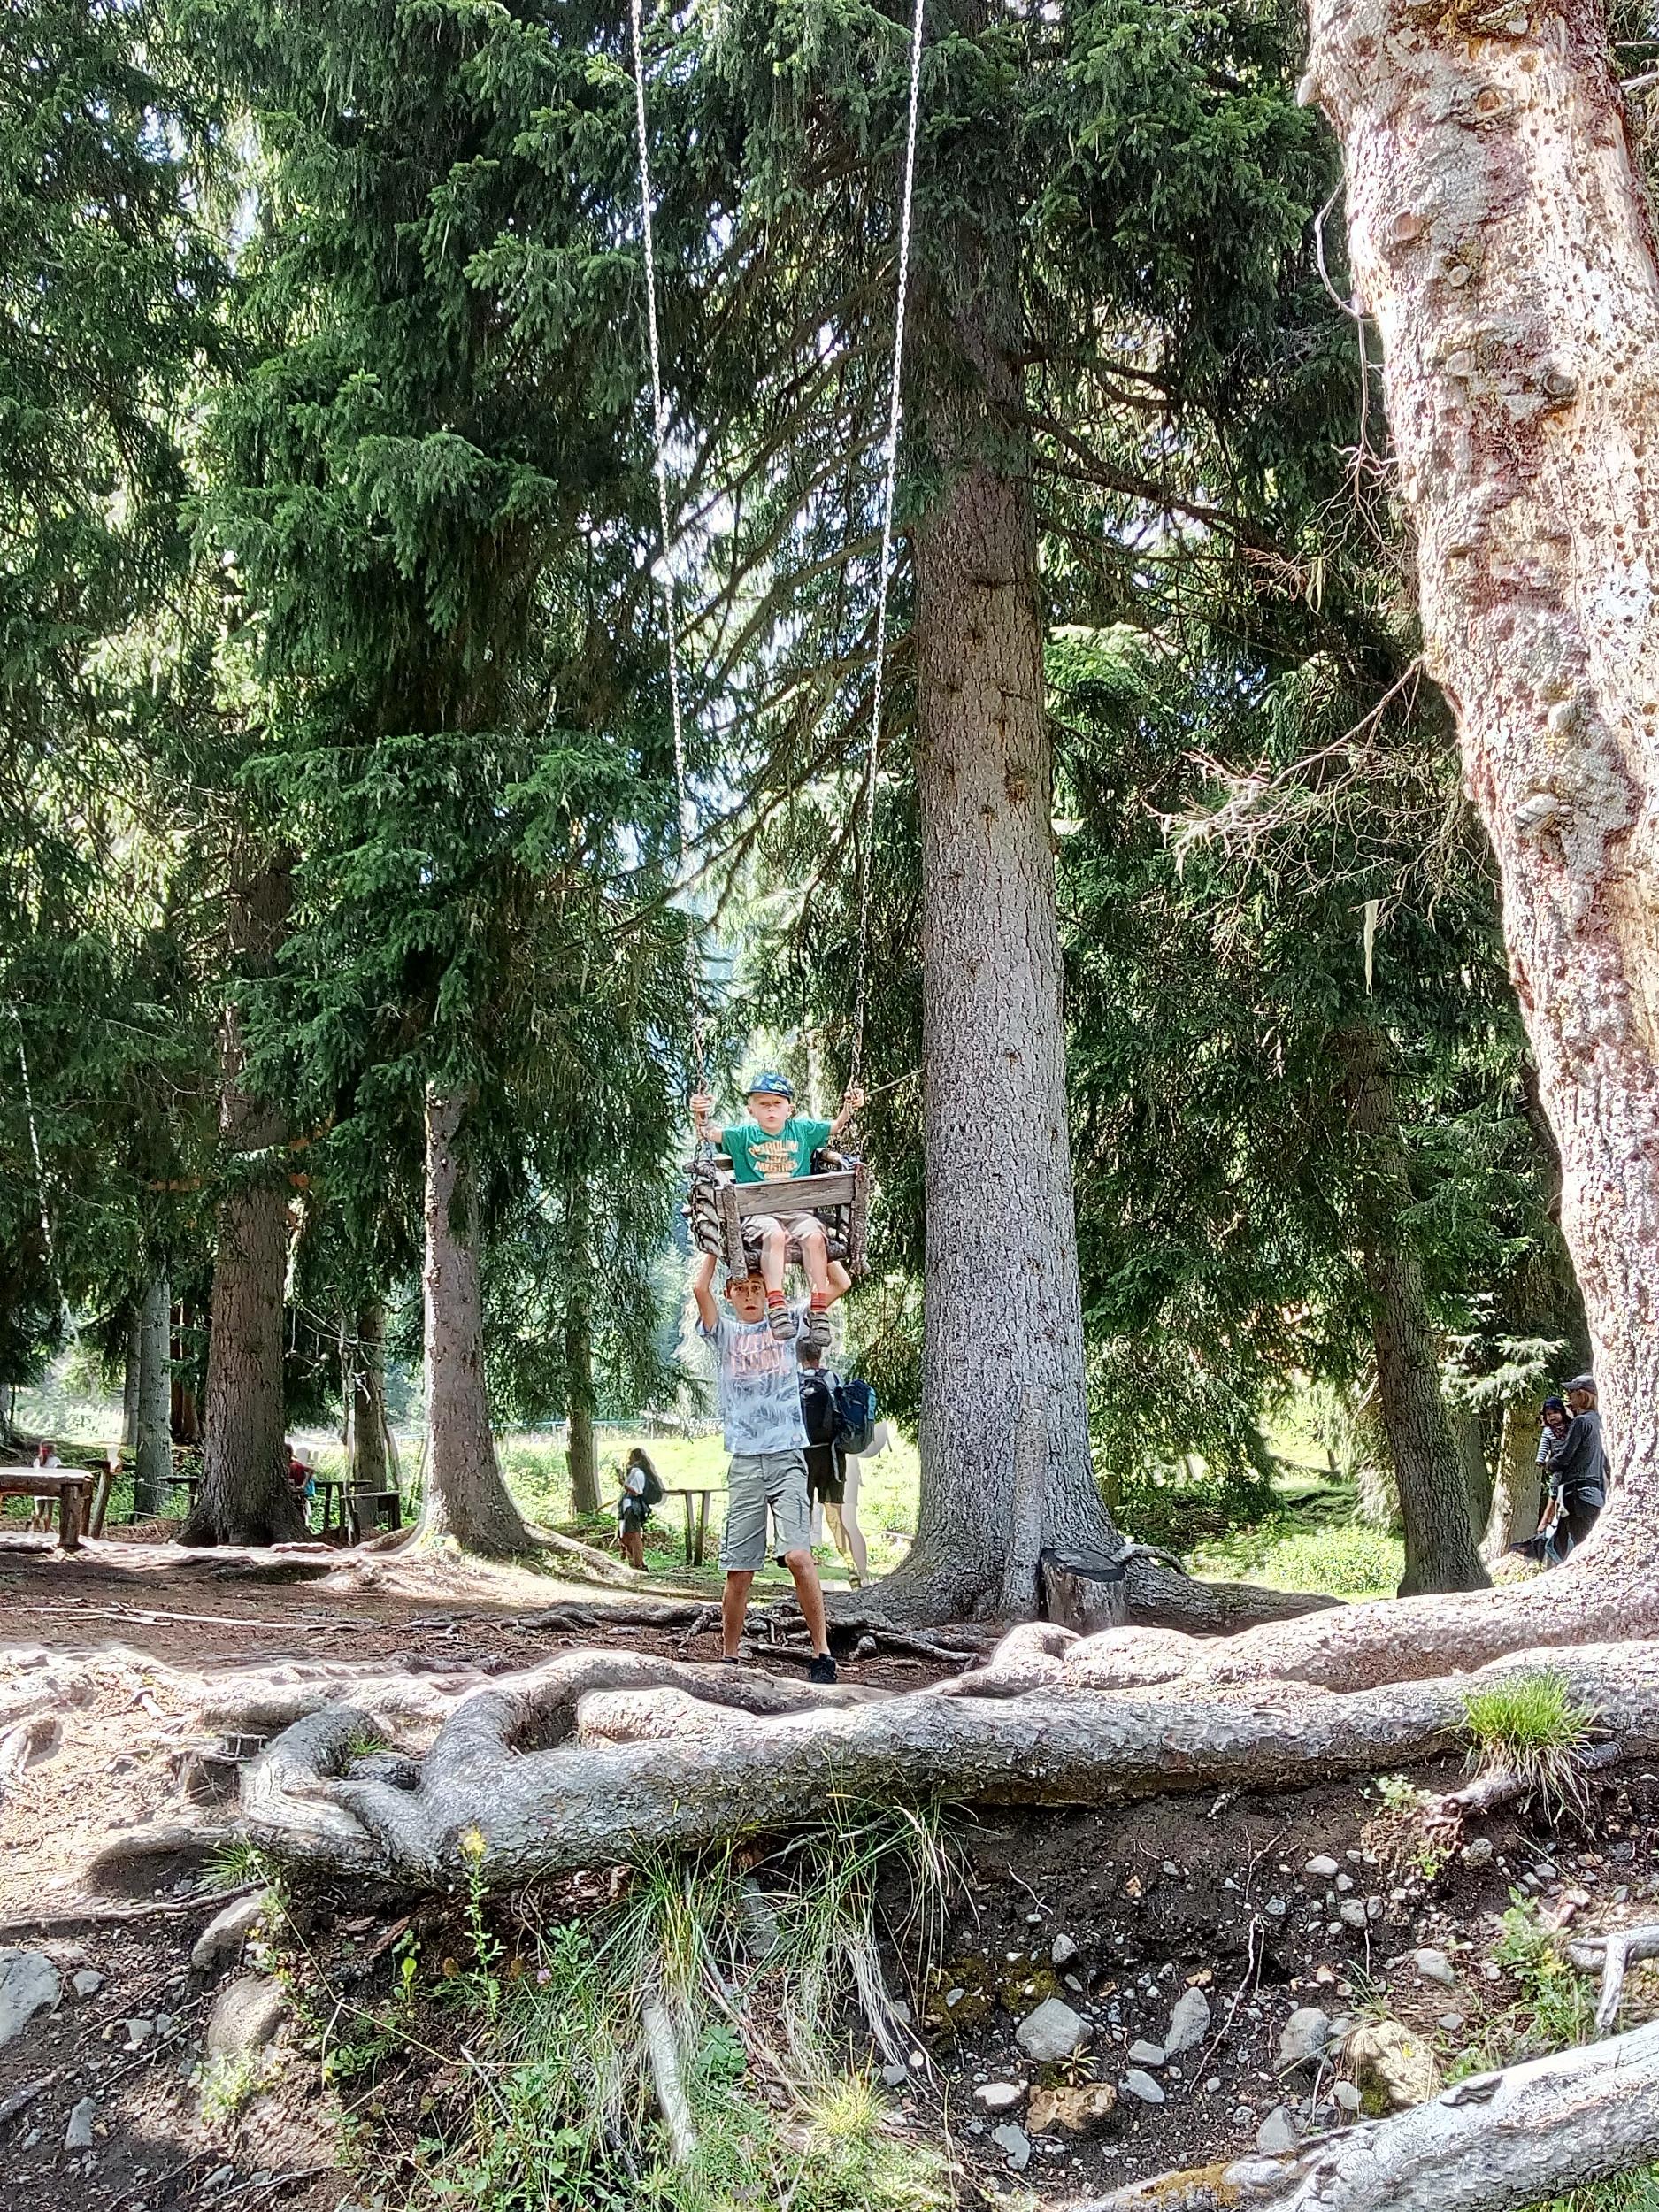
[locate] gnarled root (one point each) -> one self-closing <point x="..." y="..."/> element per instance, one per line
<point x="1518" y="2138"/>
<point x="597" y="1755"/>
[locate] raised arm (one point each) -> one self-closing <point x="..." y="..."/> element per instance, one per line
<point x="702" y="1291"/>
<point x="702" y="1110"/>
<point x="850" y="1104"/>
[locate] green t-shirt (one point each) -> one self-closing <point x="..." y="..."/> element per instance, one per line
<point x="759" y="1158"/>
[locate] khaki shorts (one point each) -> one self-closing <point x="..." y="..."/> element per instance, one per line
<point x="796" y="1225"/>
<point x="759" y="1482"/>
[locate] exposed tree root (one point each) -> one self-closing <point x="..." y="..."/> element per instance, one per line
<point x="1500" y="2140"/>
<point x="1615" y="1953"/>
<point x="577" y="1763"/>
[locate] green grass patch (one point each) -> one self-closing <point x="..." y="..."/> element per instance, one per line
<point x="1530" y="1727"/>
<point x="1347" y="1559"/>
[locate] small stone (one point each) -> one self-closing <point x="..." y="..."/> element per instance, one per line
<point x="1144" y="2053"/>
<point x="78" y="2134"/>
<point x="1345" y="1882"/>
<point x="1320" y="1868"/>
<point x="1392" y="2061"/>
<point x="954" y="1997"/>
<point x="138" y="2034"/>
<point x="1347" y="2094"/>
<point x="1276" y="1908"/>
<point x="246" y="2015"/>
<point x="1014" y="2144"/>
<point x="1434" y="1966"/>
<point x="220" y="2178"/>
<point x="1062" y="1951"/>
<point x="1000" y="2096"/>
<point x="1278" y="2132"/>
<point x="1304" y="2037"/>
<point x="1478" y="1851"/>
<point x="28" y="1985"/>
<point x="1189" y="2022"/>
<point x="1082" y="2110"/>
<point x="1169" y="1867"/>
<point x="86" y="1982"/>
<point x="1451" y="2023"/>
<point x="1053" y="2033"/>
<point x="1135" y="2084"/>
<point x="1242" y="2115"/>
<point x="1351" y="1912"/>
<point x="220" y="1942"/>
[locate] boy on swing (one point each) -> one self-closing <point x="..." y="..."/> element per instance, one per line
<point x="775" y="1145"/>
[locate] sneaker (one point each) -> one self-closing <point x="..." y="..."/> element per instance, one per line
<point x="822" y="1669"/>
<point x="781" y="1321"/>
<point x="815" y="1330"/>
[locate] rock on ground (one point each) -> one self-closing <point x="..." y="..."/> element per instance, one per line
<point x="78" y="2134"/>
<point x="1083" y="2110"/>
<point x="1146" y="2054"/>
<point x="1394" y="2068"/>
<point x="245" y="2017"/>
<point x="28" y="1985"/>
<point x="1434" y="1966"/>
<point x="1304" y="2037"/>
<point x="1053" y="2033"/>
<point x="1135" y="2084"/>
<point x="999" y="2096"/>
<point x="1014" y="2145"/>
<point x="1189" y="2022"/>
<point x="222" y="1939"/>
<point x="1278" y="2132"/>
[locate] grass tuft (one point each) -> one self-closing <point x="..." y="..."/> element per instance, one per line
<point x="1530" y="1727"/>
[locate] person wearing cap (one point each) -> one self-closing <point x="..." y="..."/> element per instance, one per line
<point x="1578" y="1470"/>
<point x="775" y="1145"/>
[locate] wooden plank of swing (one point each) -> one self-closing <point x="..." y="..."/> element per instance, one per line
<point x="803" y="1195"/>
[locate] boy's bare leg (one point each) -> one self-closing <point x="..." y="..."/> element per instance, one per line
<point x="733" y="1607"/>
<point x="815" y="1264"/>
<point x="774" y="1251"/>
<point x="810" y="1596"/>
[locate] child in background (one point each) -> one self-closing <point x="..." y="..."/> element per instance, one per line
<point x="775" y="1145"/>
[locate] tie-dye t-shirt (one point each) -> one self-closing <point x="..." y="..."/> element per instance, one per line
<point x="760" y="1385"/>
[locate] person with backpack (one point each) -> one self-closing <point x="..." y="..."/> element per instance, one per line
<point x="825" y="1402"/>
<point x="642" y="1489"/>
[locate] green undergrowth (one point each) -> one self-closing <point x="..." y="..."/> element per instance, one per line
<point x="766" y="1980"/>
<point x="1284" y="1552"/>
<point x="1635" y="2192"/>
<point x="1531" y="1727"/>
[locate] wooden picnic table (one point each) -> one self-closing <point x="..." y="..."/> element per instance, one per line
<point x="694" y="1546"/>
<point x="68" y="1484"/>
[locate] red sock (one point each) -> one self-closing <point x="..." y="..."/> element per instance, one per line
<point x="820" y="1301"/>
<point x="774" y="1297"/>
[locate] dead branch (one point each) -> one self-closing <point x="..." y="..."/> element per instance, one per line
<point x="1615" y="1953"/>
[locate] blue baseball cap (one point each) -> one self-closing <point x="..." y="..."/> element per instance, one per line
<point x="771" y="1086"/>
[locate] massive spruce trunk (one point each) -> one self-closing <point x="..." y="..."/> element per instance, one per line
<point x="1434" y="1505"/>
<point x="152" y="1409"/>
<point x="367" y="1399"/>
<point x="1502" y="242"/>
<point x="246" y="1497"/>
<point x="1003" y="1388"/>
<point x="465" y="1497"/>
<point x="1515" y="1494"/>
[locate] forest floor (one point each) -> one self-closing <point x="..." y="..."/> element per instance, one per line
<point x="340" y="2070"/>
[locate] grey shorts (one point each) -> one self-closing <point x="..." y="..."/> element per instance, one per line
<point x="759" y="1481"/>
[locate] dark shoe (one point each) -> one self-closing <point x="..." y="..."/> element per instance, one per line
<point x="822" y="1669"/>
<point x="815" y="1333"/>
<point x="781" y="1322"/>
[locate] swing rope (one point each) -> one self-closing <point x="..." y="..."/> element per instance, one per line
<point x="659" y="419"/>
<point x="895" y="408"/>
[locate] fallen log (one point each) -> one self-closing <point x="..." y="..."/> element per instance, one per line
<point x="1491" y="2144"/>
<point x="598" y="1755"/>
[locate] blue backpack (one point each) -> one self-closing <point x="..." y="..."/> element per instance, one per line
<point x="856" y="1416"/>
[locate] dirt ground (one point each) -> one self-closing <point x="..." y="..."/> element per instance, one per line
<point x="1117" y="1913"/>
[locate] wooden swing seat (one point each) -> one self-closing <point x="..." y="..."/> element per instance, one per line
<point x="837" y="1191"/>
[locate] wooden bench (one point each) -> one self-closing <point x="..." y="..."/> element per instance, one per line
<point x="369" y="1510"/>
<point x="68" y="1484"/>
<point x="695" y="1545"/>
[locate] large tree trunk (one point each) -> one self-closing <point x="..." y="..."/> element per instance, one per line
<point x="246" y="1497"/>
<point x="581" y="1451"/>
<point x="1003" y="1330"/>
<point x="367" y="1401"/>
<point x="152" y="1422"/>
<point x="1503" y="243"/>
<point x="1441" y="1552"/>
<point x="465" y="1497"/>
<point x="1515" y="1494"/>
<point x="129" y="1378"/>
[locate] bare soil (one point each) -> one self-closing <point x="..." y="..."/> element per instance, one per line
<point x="1149" y="1899"/>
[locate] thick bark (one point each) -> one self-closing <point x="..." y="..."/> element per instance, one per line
<point x="1441" y="1552"/>
<point x="1502" y="242"/>
<point x="581" y="1452"/>
<point x="465" y="1497"/>
<point x="1526" y="2136"/>
<point x="1003" y="1330"/>
<point x="1515" y="1494"/>
<point x="564" y="1768"/>
<point x="152" y="1427"/>
<point x="367" y="1399"/>
<point x="246" y="1497"/>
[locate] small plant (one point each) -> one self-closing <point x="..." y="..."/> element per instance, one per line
<point x="1530" y="1727"/>
<point x="226" y="2086"/>
<point x="240" y="1864"/>
<point x="486" y="1949"/>
<point x="1408" y="1834"/>
<point x="1559" y="2008"/>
